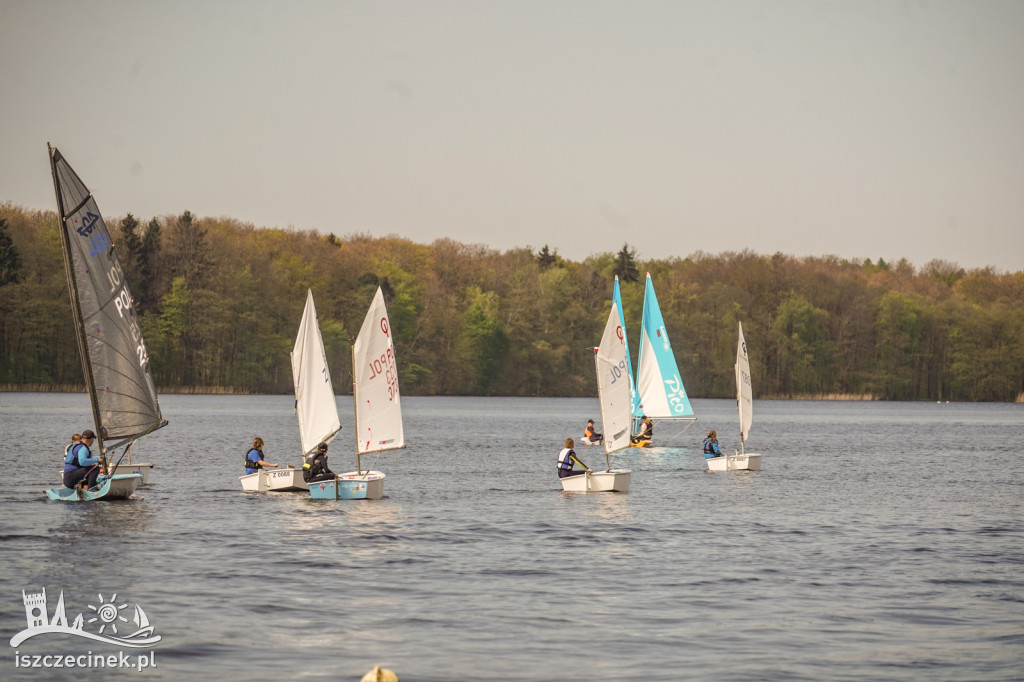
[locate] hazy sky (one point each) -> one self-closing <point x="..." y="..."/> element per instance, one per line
<point x="860" y="129"/>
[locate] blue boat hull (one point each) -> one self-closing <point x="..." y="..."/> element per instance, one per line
<point x="368" y="486"/>
<point x="116" y="487"/>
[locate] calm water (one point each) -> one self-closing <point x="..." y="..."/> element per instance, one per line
<point x="881" y="541"/>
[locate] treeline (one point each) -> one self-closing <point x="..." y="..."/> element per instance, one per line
<point x="220" y="303"/>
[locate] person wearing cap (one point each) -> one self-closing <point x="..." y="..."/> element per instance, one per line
<point x="646" y="431"/>
<point x="254" y="458"/>
<point x="566" y="459"/>
<point x="79" y="464"/>
<point x="591" y="434"/>
<point x="315" y="468"/>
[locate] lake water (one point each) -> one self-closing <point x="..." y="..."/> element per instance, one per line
<point x="882" y="541"/>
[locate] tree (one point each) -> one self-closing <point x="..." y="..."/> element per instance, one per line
<point x="146" y="296"/>
<point x="129" y="252"/>
<point x="545" y="259"/>
<point x="625" y="264"/>
<point x="10" y="261"/>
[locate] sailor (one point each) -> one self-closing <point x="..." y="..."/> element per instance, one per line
<point x="711" y="445"/>
<point x="566" y="459"/>
<point x="591" y="434"/>
<point x="315" y="467"/>
<point x="646" y="432"/>
<point x="254" y="458"/>
<point x="79" y="464"/>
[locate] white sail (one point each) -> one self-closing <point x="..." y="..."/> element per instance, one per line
<point x="375" y="383"/>
<point x="744" y="392"/>
<point x="612" y="362"/>
<point x="314" y="395"/>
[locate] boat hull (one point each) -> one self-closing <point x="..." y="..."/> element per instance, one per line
<point x="747" y="462"/>
<point x="116" y="487"/>
<point x="613" y="481"/>
<point x="286" y="481"/>
<point x="142" y="469"/>
<point x="254" y="483"/>
<point x="349" y="486"/>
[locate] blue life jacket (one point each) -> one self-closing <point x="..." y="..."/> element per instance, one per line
<point x="710" y="449"/>
<point x="565" y="462"/>
<point x="71" y="456"/>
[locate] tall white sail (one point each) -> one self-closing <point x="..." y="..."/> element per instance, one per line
<point x="375" y="383"/>
<point x="315" y="403"/>
<point x="744" y="392"/>
<point x="613" y="385"/>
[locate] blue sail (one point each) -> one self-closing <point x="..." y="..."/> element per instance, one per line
<point x="634" y="396"/>
<point x="659" y="384"/>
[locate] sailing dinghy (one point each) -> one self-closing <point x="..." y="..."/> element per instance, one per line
<point x="611" y="362"/>
<point x="744" y="405"/>
<point x="114" y="358"/>
<point x="378" y="407"/>
<point x="659" y="386"/>
<point x="315" y="405"/>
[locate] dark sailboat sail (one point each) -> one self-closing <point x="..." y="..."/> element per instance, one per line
<point x="114" y="357"/>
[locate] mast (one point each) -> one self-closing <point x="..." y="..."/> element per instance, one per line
<point x="76" y="306"/>
<point x="355" y="406"/>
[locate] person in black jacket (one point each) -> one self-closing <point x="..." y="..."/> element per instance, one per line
<point x="315" y="467"/>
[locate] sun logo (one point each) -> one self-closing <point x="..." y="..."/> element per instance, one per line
<point x="108" y="614"/>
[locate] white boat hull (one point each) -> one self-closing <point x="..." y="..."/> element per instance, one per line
<point x="254" y="483"/>
<point x="613" y="481"/>
<point x="286" y="480"/>
<point x="747" y="462"/>
<point x="143" y="469"/>
<point x="374" y="482"/>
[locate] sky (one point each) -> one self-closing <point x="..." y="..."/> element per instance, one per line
<point x="860" y="129"/>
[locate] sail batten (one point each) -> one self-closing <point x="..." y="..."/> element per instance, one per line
<point x="115" y="361"/>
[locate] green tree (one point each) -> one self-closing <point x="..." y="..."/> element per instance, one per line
<point x="625" y="264"/>
<point x="10" y="261"/>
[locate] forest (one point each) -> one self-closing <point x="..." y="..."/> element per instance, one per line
<point x="220" y="302"/>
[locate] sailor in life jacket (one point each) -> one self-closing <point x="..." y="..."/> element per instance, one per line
<point x="315" y="468"/>
<point x="79" y="464"/>
<point x="591" y="434"/>
<point x="711" y="445"/>
<point x="254" y="458"/>
<point x="566" y="458"/>
<point x="646" y="431"/>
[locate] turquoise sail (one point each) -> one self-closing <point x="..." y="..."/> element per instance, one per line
<point x="659" y="384"/>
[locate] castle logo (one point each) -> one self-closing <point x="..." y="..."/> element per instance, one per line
<point x="110" y="619"/>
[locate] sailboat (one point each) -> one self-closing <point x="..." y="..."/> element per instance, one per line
<point x="611" y="361"/>
<point x="315" y="405"/>
<point x="659" y="386"/>
<point x="114" y="358"/>
<point x="378" y="407"/>
<point x="742" y="460"/>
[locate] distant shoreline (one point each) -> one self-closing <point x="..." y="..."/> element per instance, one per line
<point x="237" y="390"/>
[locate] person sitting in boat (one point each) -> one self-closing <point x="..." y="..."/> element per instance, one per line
<point x="254" y="458"/>
<point x="591" y="434"/>
<point x="80" y="467"/>
<point x="646" y="432"/>
<point x="711" y="445"/>
<point x="74" y="439"/>
<point x="566" y="459"/>
<point x="315" y="467"/>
